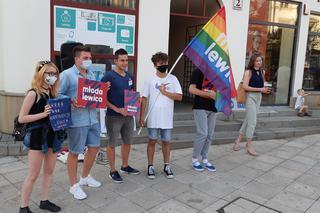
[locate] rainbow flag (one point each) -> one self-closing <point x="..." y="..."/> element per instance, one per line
<point x="208" y="50"/>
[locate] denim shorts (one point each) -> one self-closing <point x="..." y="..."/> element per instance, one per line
<point x="165" y="134"/>
<point x="80" y="137"/>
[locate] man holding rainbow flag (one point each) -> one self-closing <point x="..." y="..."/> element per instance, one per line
<point x="212" y="84"/>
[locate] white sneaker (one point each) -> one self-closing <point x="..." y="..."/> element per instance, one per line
<point x="77" y="192"/>
<point x="89" y="181"/>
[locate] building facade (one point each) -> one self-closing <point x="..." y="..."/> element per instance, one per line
<point x="286" y="33"/>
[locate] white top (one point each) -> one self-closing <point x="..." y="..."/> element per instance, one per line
<point x="299" y="102"/>
<point x="161" y="115"/>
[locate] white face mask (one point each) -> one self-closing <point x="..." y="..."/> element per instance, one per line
<point x="51" y="80"/>
<point x="86" y="64"/>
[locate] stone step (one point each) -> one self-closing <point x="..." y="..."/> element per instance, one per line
<point x="240" y="113"/>
<point x="188" y="126"/>
<point x="185" y="140"/>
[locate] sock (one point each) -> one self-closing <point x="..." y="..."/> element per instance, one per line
<point x="194" y="160"/>
<point x="205" y="161"/>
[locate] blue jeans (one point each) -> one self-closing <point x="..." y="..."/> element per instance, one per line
<point x="205" y="123"/>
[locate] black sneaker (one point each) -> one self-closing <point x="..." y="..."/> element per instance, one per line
<point x="47" y="205"/>
<point x="151" y="172"/>
<point x="129" y="170"/>
<point x="25" y="210"/>
<point x="167" y="170"/>
<point x="115" y="176"/>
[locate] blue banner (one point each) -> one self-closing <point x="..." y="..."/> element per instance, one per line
<point x="60" y="116"/>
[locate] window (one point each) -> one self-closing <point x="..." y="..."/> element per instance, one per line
<point x="274" y="11"/>
<point x="271" y="34"/>
<point x="104" y="25"/>
<point x="311" y="75"/>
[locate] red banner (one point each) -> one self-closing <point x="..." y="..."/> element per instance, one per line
<point x="92" y="94"/>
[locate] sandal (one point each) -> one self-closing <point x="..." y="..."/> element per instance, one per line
<point x="251" y="151"/>
<point x="236" y="146"/>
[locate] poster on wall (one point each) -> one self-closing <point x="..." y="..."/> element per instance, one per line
<point x="114" y="30"/>
<point x="257" y="41"/>
<point x="259" y="10"/>
<point x="257" y="34"/>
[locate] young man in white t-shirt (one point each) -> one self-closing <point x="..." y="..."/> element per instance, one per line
<point x="159" y="92"/>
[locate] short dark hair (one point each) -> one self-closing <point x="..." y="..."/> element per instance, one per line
<point x="120" y="52"/>
<point x="80" y="48"/>
<point x="159" y="57"/>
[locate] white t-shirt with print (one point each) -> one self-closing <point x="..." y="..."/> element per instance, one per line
<point x="161" y="115"/>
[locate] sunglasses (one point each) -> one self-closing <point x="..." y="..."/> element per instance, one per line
<point x="42" y="63"/>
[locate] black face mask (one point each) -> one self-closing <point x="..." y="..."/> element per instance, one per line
<point x="162" y="68"/>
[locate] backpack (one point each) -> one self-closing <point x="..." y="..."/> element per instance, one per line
<point x="19" y="129"/>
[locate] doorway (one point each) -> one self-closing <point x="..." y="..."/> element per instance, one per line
<point x="187" y="17"/>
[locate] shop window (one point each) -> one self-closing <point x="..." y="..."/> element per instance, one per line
<point x="274" y="11"/>
<point x="120" y="4"/>
<point x="271" y="34"/>
<point x="311" y="75"/>
<point x="314" y="24"/>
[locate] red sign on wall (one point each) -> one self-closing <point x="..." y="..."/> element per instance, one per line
<point x="92" y="94"/>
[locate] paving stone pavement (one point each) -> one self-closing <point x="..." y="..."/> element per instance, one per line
<point x="285" y="177"/>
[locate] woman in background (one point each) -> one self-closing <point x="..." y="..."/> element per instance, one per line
<point x="253" y="83"/>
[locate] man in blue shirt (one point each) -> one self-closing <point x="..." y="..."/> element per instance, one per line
<point x="118" y="119"/>
<point x="85" y="130"/>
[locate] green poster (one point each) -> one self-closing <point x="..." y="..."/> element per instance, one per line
<point x="65" y="18"/>
<point x="124" y="34"/>
<point x="106" y="22"/>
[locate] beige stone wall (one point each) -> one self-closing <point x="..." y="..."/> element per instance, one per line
<point x="10" y="104"/>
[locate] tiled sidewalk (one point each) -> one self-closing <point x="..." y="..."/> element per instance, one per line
<point x="285" y="176"/>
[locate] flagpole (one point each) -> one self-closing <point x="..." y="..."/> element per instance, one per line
<point x="153" y="104"/>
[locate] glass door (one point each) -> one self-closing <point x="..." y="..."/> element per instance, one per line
<point x="271" y="34"/>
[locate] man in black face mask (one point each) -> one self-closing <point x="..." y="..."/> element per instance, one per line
<point x="161" y="116"/>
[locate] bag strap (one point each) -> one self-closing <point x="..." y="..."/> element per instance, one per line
<point x="35" y="100"/>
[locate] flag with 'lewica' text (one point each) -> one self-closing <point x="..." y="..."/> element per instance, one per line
<point x="208" y="50"/>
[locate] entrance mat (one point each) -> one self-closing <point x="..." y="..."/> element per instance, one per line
<point x="241" y="204"/>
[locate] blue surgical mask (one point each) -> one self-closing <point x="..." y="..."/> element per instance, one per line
<point x="86" y="64"/>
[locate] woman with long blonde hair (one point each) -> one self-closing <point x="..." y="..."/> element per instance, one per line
<point x="42" y="142"/>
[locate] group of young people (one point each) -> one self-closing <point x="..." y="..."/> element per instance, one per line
<point x="159" y="92"/>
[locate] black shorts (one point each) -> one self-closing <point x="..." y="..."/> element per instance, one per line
<point x="36" y="138"/>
